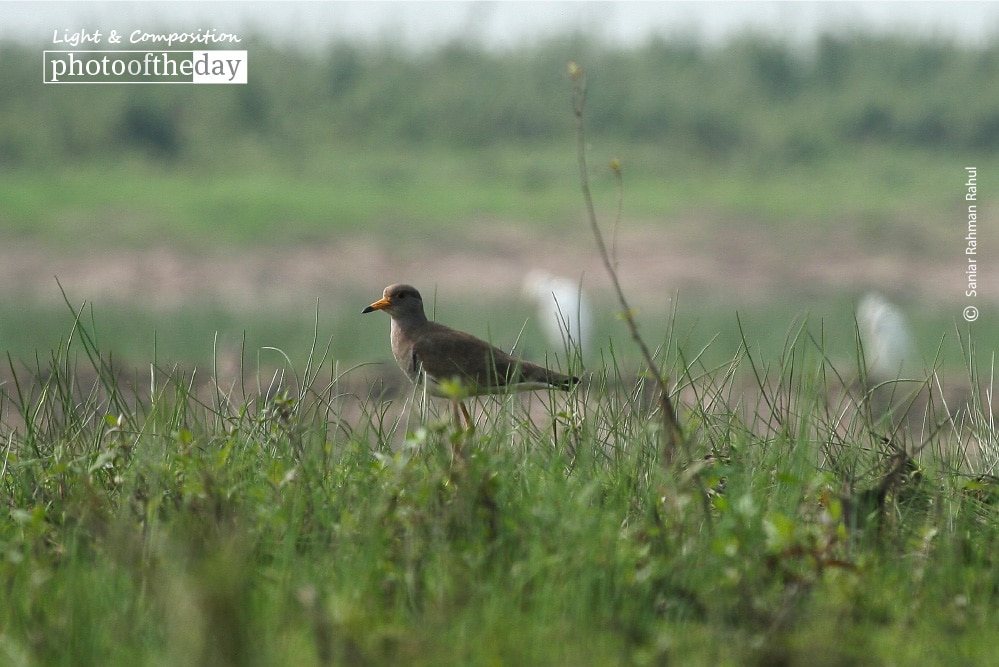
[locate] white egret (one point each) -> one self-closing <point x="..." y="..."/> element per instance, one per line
<point x="564" y="311"/>
<point x="888" y="344"/>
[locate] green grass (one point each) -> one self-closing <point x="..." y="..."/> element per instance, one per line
<point x="173" y="525"/>
<point x="382" y="192"/>
<point x="191" y="336"/>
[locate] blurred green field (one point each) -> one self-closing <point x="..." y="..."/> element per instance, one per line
<point x="213" y="338"/>
<point x="863" y="137"/>
<point x="903" y="201"/>
<point x="429" y="191"/>
<point x="804" y="149"/>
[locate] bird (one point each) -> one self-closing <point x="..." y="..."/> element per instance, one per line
<point x="564" y="310"/>
<point x="455" y="364"/>
<point x="886" y="337"/>
<point x="889" y="353"/>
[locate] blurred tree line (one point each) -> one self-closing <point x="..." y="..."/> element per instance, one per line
<point x="752" y="95"/>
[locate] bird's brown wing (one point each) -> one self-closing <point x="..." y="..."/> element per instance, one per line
<point x="448" y="354"/>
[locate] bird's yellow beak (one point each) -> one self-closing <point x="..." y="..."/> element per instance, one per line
<point x="381" y="304"/>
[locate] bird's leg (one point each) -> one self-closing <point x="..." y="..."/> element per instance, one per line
<point x="468" y="417"/>
<point x="459" y="438"/>
<point x="457" y="405"/>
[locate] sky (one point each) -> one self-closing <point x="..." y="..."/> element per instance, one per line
<point x="504" y="25"/>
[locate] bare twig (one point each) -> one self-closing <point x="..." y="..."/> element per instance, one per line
<point x="672" y="432"/>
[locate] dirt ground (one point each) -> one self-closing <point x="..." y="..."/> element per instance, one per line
<point x="741" y="264"/>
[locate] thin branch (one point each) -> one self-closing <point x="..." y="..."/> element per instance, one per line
<point x="671" y="426"/>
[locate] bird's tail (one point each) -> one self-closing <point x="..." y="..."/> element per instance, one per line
<point x="560" y="381"/>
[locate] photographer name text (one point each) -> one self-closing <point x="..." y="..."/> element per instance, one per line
<point x="971" y="241"/>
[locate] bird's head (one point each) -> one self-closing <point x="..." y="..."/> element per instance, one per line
<point x="398" y="300"/>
